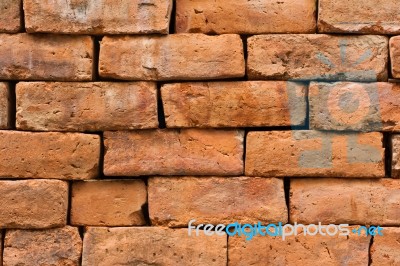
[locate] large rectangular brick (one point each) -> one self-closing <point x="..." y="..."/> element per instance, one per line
<point x="10" y="15"/>
<point x="349" y="201"/>
<point x="5" y="106"/>
<point x="230" y="104"/>
<point x="49" y="155"/>
<point x="317" y="57"/>
<point x="108" y="203"/>
<point x="151" y="246"/>
<point x="244" y="17"/>
<point x="314" y="153"/>
<point x="379" y="17"/>
<point x="216" y="200"/>
<point x="355" y="106"/>
<point x="46" y="57"/>
<point x="76" y="106"/>
<point x="33" y="203"/>
<point x="58" y="246"/>
<point x="174" y="152"/>
<point x="394" y="45"/>
<point x="98" y="17"/>
<point x="385" y="249"/>
<point x="395" y="150"/>
<point x="172" y="57"/>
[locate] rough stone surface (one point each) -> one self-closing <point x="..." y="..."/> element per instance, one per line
<point x="394" y="45"/>
<point x="395" y="149"/>
<point x="314" y="153"/>
<point x="108" y="203"/>
<point x="151" y="246"/>
<point x="49" y="155"/>
<point x="59" y="246"/>
<point x="347" y="201"/>
<point x="5" y="105"/>
<point x="79" y="106"/>
<point x="230" y="104"/>
<point x="355" y="106"/>
<point x="244" y="17"/>
<point x="174" y="152"/>
<point x="33" y="203"/>
<point x="385" y="249"/>
<point x="299" y="250"/>
<point x="172" y="57"/>
<point x="372" y="16"/>
<point x="98" y="16"/>
<point x="176" y="201"/>
<point x="318" y="56"/>
<point x="46" y="57"/>
<point x="10" y="15"/>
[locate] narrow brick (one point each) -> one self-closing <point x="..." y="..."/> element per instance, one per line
<point x="10" y="16"/>
<point x="172" y="57"/>
<point x="46" y="57"/>
<point x="394" y="45"/>
<point x="98" y="17"/>
<point x="174" y="152"/>
<point x="372" y="17"/>
<point x="33" y="203"/>
<point x="230" y="104"/>
<point x="5" y="106"/>
<point x="108" y="203"/>
<point x="243" y="17"/>
<point x="314" y="153"/>
<point x="49" y="155"/>
<point x="175" y="201"/>
<point x="59" y="246"/>
<point x="317" y="57"/>
<point x="395" y="149"/>
<point x="355" y="106"/>
<point x="151" y="246"/>
<point x="385" y="249"/>
<point x="349" y="201"/>
<point x="76" y="106"/>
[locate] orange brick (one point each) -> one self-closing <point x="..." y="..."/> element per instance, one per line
<point x="395" y="149"/>
<point x="385" y="249"/>
<point x="5" y="106"/>
<point x="10" y="15"/>
<point x="394" y="45"/>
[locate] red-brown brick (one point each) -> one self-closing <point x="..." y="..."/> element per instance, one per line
<point x="394" y="45"/>
<point x="385" y="249"/>
<point x="5" y="106"/>
<point x="10" y="15"/>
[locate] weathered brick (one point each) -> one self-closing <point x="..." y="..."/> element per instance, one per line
<point x="394" y="45"/>
<point x="108" y="203"/>
<point x="244" y="17"/>
<point x="59" y="246"/>
<point x="355" y="106"/>
<point x="380" y="17"/>
<point x="172" y="57"/>
<point x="385" y="249"/>
<point x="314" y="153"/>
<point x="230" y="104"/>
<point x="10" y="15"/>
<point x="299" y="250"/>
<point x="395" y="149"/>
<point x="174" y="152"/>
<point x="350" y="201"/>
<point x="33" y="203"/>
<point x="215" y="200"/>
<point x="46" y="57"/>
<point x="49" y="155"/>
<point x="5" y="105"/>
<point x="78" y="106"/>
<point x="318" y="56"/>
<point x="151" y="246"/>
<point x="98" y="17"/>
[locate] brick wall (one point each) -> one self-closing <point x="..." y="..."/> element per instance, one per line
<point x="121" y="121"/>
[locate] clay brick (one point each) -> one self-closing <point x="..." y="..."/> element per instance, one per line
<point x="176" y="201"/>
<point x="151" y="246"/>
<point x="314" y="153"/>
<point x="394" y="45"/>
<point x="108" y="203"/>
<point x="59" y="246"/>
<point x="230" y="104"/>
<point x="355" y="106"/>
<point x="299" y="250"/>
<point x="5" y="105"/>
<point x="395" y="149"/>
<point x="46" y="57"/>
<point x="33" y="203"/>
<point x="385" y="249"/>
<point x="172" y="57"/>
<point x="98" y="17"/>
<point x="10" y="15"/>
<point x="49" y="155"/>
<point x="318" y="56"/>
<point x="350" y="201"/>
<point x="376" y="17"/>
<point x="244" y="17"/>
<point x="78" y="106"/>
<point x="174" y="152"/>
